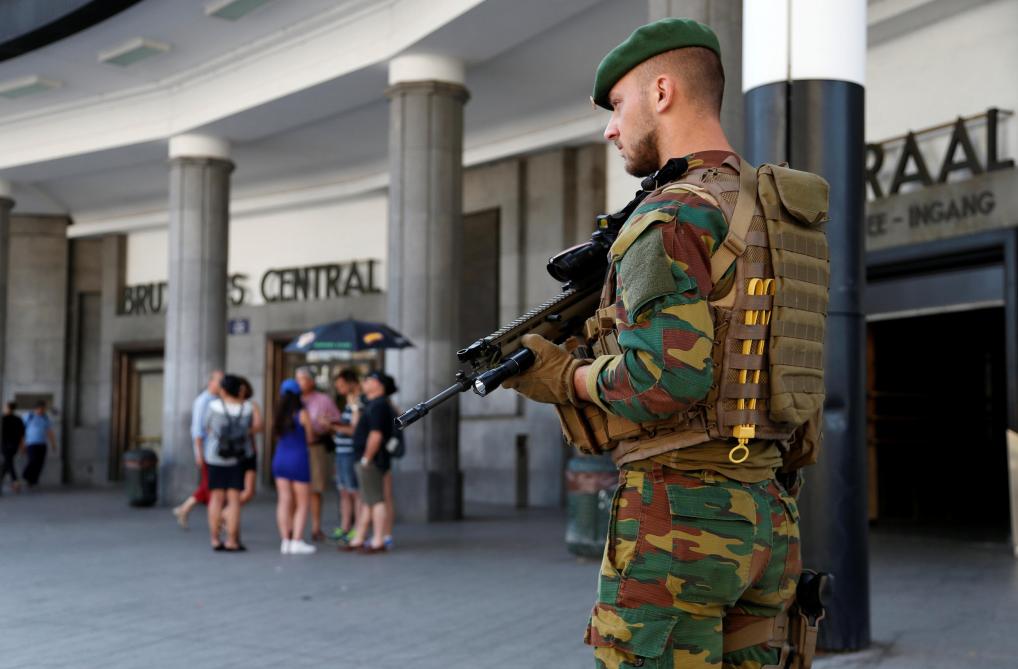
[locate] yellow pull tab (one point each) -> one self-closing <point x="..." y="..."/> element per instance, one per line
<point x="740" y="452"/>
<point x="743" y="453"/>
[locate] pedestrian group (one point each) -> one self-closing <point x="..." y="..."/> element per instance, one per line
<point x="309" y="427"/>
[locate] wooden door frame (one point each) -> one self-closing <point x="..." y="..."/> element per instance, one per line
<point x="123" y="353"/>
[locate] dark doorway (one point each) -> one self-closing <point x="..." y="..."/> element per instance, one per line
<point x="479" y="297"/>
<point x="137" y="403"/>
<point x="937" y="422"/>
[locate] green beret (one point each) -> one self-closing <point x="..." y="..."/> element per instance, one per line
<point x="645" y="42"/>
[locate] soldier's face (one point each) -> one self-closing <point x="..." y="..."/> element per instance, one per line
<point x="632" y="127"/>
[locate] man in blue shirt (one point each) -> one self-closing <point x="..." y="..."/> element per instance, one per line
<point x="38" y="434"/>
<point x="198" y="412"/>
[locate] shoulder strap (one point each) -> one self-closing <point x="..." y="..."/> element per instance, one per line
<point x="226" y="412"/>
<point x="735" y="241"/>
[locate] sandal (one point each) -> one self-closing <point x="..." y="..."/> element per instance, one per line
<point x="181" y="517"/>
<point x="219" y="547"/>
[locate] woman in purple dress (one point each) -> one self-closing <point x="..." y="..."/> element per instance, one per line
<point x="291" y="470"/>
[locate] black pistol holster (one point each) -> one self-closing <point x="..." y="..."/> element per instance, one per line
<point x="794" y="631"/>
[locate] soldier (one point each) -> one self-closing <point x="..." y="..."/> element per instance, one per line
<point x="703" y="546"/>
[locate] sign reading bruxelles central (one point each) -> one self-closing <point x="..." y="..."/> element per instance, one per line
<point x="287" y="284"/>
<point x="936" y="207"/>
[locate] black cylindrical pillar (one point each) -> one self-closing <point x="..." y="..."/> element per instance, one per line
<point x="805" y="104"/>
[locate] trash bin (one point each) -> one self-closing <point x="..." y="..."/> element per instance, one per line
<point x="141" y="474"/>
<point x="590" y="485"/>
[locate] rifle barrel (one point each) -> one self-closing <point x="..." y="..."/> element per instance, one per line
<point x="419" y="411"/>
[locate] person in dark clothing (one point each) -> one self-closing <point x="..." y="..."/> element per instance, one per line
<point x="372" y="431"/>
<point x="12" y="440"/>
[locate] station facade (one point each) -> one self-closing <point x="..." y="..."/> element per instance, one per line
<point x="367" y="158"/>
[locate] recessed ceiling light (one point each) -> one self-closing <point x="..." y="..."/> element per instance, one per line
<point x="132" y="51"/>
<point x="232" y="9"/>
<point x="16" y="88"/>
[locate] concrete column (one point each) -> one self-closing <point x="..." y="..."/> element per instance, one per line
<point x="36" y="341"/>
<point x="6" y="205"/>
<point x="725" y="18"/>
<point x="804" y="104"/>
<point x="196" y="303"/>
<point x="426" y="96"/>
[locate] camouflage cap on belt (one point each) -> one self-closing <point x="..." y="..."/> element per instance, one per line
<point x="647" y="41"/>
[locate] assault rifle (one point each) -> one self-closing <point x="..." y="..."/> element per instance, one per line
<point x="582" y="268"/>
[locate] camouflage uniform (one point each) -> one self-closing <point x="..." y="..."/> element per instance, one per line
<point x="696" y="545"/>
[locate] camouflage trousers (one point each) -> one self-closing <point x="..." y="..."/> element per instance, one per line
<point x="689" y="556"/>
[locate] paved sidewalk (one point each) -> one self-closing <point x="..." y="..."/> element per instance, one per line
<point x="88" y="582"/>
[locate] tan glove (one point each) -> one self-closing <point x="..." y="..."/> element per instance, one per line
<point x="550" y="379"/>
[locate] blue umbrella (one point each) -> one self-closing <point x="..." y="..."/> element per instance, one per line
<point x="347" y="335"/>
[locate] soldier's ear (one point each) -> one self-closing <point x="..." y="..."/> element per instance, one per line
<point x="664" y="92"/>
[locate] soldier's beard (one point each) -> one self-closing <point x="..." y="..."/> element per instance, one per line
<point x="643" y="158"/>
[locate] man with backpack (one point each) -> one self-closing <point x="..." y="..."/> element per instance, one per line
<point x="700" y="373"/>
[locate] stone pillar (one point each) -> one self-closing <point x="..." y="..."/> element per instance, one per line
<point x="196" y="303"/>
<point x="35" y="343"/>
<point x="6" y="205"/>
<point x="725" y="18"/>
<point x="426" y="96"/>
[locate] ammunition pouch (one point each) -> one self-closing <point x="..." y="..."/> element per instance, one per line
<point x="794" y="631"/>
<point x="584" y="428"/>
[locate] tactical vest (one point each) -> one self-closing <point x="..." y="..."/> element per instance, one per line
<point x="769" y="317"/>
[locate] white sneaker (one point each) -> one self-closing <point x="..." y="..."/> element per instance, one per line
<point x="284" y="547"/>
<point x="298" y="547"/>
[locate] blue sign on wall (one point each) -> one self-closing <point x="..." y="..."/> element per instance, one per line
<point x="238" y="326"/>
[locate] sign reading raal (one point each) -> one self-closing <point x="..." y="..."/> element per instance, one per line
<point x="913" y="168"/>
<point x="289" y="284"/>
<point x="941" y="207"/>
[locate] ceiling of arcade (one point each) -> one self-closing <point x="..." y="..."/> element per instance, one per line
<point x="297" y="87"/>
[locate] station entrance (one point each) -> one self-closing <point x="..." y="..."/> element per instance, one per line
<point x="937" y="421"/>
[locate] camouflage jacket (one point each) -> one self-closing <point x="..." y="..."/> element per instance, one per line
<point x="661" y="283"/>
